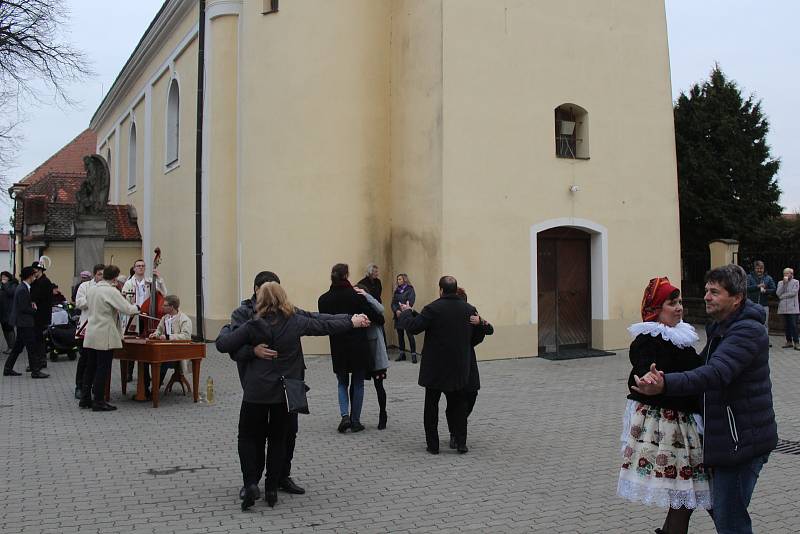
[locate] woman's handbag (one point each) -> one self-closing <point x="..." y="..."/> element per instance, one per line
<point x="295" y="391"/>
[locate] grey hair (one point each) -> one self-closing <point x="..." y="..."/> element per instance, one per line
<point x="731" y="277"/>
<point x="371" y="266"/>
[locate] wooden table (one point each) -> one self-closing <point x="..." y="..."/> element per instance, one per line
<point x="155" y="352"/>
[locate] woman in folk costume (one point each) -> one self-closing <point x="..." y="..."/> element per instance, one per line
<point x="662" y="445"/>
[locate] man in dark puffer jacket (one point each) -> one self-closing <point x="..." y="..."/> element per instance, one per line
<point x="740" y="428"/>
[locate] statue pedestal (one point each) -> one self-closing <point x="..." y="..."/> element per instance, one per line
<point x="90" y="237"/>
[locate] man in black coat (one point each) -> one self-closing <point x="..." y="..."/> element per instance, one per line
<point x="42" y="296"/>
<point x="445" y="366"/>
<point x="372" y="283"/>
<point x="350" y="352"/>
<point x="22" y="316"/>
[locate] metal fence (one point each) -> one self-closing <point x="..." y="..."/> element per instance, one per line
<point x="694" y="266"/>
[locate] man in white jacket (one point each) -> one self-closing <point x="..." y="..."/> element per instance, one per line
<point x="80" y="303"/>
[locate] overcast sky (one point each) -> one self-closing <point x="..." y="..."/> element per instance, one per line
<point x="754" y="41"/>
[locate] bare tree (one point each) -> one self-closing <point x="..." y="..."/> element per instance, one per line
<point x="35" y="61"/>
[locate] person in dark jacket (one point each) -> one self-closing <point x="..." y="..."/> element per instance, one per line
<point x="445" y="364"/>
<point x="371" y="282"/>
<point x="760" y="286"/>
<point x="480" y="329"/>
<point x="8" y="285"/>
<point x="404" y="294"/>
<point x="42" y="296"/>
<point x="739" y="420"/>
<point x="245" y="312"/>
<point x="22" y="316"/>
<point x="350" y="352"/>
<point x="264" y="417"/>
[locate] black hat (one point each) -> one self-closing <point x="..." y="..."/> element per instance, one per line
<point x="38" y="265"/>
<point x="27" y="272"/>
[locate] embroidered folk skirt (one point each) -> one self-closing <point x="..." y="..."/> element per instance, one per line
<point x="662" y="458"/>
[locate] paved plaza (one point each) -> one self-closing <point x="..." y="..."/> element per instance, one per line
<point x="544" y="447"/>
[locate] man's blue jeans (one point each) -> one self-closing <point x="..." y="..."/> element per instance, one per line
<point x="731" y="489"/>
<point x="358" y="394"/>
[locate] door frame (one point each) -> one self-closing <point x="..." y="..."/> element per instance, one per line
<point x="598" y="264"/>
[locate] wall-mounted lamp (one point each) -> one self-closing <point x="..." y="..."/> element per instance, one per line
<point x="574" y="188"/>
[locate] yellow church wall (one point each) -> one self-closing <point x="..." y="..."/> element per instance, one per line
<point x="173" y="207"/>
<point x="314" y="144"/>
<point x="62" y="266"/>
<point x="501" y="175"/>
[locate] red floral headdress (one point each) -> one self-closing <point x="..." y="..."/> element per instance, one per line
<point x="655" y="295"/>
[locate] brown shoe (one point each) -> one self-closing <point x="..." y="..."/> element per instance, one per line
<point x="787" y="345"/>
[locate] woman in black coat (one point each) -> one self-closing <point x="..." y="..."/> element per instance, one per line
<point x="351" y="353"/>
<point x="8" y="285"/>
<point x="264" y="416"/>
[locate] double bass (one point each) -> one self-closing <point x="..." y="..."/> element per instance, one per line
<point x="152" y="309"/>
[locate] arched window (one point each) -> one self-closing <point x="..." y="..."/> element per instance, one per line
<point x="572" y="132"/>
<point x="132" y="157"/>
<point x="173" y="122"/>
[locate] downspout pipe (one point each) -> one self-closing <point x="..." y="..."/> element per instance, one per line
<point x="198" y="199"/>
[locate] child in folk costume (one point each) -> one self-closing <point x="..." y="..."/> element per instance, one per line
<point x="662" y="436"/>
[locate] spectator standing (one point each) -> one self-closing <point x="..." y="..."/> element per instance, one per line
<point x="788" y="307"/>
<point x="8" y="285"/>
<point x="404" y="294"/>
<point x="759" y="287"/>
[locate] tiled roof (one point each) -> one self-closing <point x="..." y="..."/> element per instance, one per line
<point x="61" y="218"/>
<point x="68" y="160"/>
<point x="56" y="187"/>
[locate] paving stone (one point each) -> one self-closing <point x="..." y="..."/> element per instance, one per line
<point x="543" y="457"/>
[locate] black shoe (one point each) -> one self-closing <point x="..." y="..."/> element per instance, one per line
<point x="344" y="424"/>
<point x="11" y="372"/>
<point x="452" y="443"/>
<point x="271" y="496"/>
<point x="39" y="374"/>
<point x="103" y="407"/>
<point x="382" y="418"/>
<point x="462" y="448"/>
<point x="249" y="495"/>
<point x="401" y="358"/>
<point x="85" y="403"/>
<point x="356" y="427"/>
<point x="432" y="450"/>
<point x="413" y="357"/>
<point x="288" y="485"/>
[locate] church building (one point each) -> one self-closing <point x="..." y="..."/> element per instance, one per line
<point x="525" y="147"/>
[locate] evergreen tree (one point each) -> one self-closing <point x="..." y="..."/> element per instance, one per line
<point x="726" y="175"/>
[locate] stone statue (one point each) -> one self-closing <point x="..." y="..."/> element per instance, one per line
<point x="93" y="195"/>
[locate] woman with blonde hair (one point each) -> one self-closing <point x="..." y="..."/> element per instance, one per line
<point x="404" y="294"/>
<point x="788" y="306"/>
<point x="264" y="416"/>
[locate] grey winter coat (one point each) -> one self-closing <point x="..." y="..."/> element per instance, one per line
<point x="787" y="295"/>
<point x="375" y="337"/>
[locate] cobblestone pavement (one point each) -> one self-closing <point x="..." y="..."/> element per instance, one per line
<point x="543" y="458"/>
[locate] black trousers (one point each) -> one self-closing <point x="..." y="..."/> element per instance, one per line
<point x="401" y="342"/>
<point x="26" y="339"/>
<point x="469" y="399"/>
<point x="81" y="369"/>
<point x="95" y="376"/>
<point x="291" y="439"/>
<point x="456" y="404"/>
<point x="260" y="426"/>
<point x="8" y="334"/>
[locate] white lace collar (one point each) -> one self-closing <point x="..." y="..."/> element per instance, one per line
<point x="681" y="335"/>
